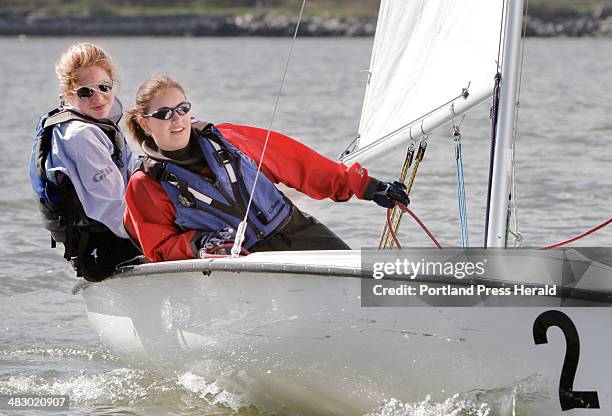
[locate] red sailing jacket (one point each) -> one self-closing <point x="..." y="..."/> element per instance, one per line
<point x="150" y="215"/>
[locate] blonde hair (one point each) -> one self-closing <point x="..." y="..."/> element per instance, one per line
<point x="146" y="93"/>
<point x="77" y="57"/>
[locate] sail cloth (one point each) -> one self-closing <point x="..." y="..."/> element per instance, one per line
<point x="425" y="52"/>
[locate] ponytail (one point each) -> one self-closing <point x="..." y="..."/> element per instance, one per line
<point x="134" y="128"/>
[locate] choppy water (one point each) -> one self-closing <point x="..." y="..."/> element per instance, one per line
<point x="564" y="178"/>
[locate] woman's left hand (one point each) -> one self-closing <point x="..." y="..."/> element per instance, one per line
<point x="386" y="194"/>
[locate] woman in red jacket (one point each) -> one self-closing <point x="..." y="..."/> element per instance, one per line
<point x="196" y="182"/>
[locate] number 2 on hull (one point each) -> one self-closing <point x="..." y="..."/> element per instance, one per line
<point x="568" y="398"/>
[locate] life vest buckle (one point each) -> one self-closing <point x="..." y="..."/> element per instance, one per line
<point x="185" y="197"/>
<point x="187" y="200"/>
<point x="224" y="155"/>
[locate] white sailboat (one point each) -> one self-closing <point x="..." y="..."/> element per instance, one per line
<point x="287" y="329"/>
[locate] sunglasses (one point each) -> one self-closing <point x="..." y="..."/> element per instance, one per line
<point x="105" y="87"/>
<point x="165" y="113"/>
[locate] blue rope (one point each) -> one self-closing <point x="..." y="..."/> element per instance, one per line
<point x="461" y="193"/>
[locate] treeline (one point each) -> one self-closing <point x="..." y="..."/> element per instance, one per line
<point x="550" y="8"/>
<point x="180" y="7"/>
<point x="573" y="18"/>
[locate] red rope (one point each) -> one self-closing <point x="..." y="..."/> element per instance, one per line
<point x="413" y="215"/>
<point x="390" y="228"/>
<point x="578" y="237"/>
<point x="404" y="208"/>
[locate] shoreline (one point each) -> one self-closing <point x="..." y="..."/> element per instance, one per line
<point x="597" y="24"/>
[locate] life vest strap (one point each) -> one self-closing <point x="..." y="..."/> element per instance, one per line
<point x="62" y="117"/>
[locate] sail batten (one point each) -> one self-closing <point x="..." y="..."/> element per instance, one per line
<point x="424" y="52"/>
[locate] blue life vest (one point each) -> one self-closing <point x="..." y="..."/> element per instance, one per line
<point x="61" y="211"/>
<point x="207" y="204"/>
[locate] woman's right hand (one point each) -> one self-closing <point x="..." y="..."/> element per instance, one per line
<point x="387" y="194"/>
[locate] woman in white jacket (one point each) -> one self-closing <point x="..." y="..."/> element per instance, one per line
<point x="81" y="165"/>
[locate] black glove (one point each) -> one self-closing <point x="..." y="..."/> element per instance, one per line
<point x="211" y="243"/>
<point x="386" y="194"/>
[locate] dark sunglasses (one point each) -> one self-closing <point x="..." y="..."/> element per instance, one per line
<point x="87" y="91"/>
<point x="165" y="113"/>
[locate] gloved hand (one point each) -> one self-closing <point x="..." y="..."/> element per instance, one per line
<point x="386" y="194"/>
<point x="211" y="243"/>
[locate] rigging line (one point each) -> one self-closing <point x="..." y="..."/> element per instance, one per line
<point x="417" y="162"/>
<point x="389" y="227"/>
<point x="464" y="94"/>
<point x="419" y="158"/>
<point x="387" y="233"/>
<point x="413" y="215"/>
<point x="396" y="216"/>
<point x="493" y="117"/>
<point x="351" y="147"/>
<point x="516" y="234"/>
<point x="501" y="35"/>
<point x="460" y="179"/>
<point x="461" y="193"/>
<point x="242" y="226"/>
<point x="578" y="237"/>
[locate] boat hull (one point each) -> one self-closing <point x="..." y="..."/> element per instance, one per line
<point x="303" y="341"/>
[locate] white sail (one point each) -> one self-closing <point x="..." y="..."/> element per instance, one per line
<point x="425" y="52"/>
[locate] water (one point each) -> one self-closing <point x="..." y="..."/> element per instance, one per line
<point x="563" y="188"/>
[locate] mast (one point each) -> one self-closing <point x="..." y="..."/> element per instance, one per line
<point x="502" y="159"/>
